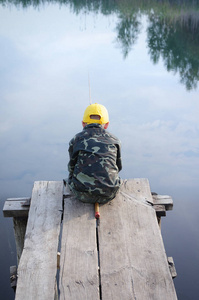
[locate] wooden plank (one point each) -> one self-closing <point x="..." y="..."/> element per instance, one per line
<point x="137" y="188"/>
<point x="38" y="264"/>
<point x="172" y="267"/>
<point x="13" y="277"/>
<point x="16" y="207"/>
<point x="160" y="210"/>
<point x="133" y="263"/>
<point x="165" y="200"/>
<point x="79" y="258"/>
<point x="19" y="232"/>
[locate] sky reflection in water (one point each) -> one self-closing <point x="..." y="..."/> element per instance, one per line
<point x="46" y="54"/>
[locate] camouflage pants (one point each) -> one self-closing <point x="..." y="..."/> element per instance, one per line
<point x="90" y="198"/>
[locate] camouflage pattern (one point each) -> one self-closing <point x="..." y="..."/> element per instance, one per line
<point x="95" y="160"/>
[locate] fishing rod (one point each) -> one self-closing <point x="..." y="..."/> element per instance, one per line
<point x="89" y="89"/>
<point x="97" y="213"/>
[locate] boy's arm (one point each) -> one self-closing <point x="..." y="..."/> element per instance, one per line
<point x="119" y="159"/>
<point x="72" y="161"/>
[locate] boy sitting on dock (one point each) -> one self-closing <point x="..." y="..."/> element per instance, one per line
<point x="95" y="158"/>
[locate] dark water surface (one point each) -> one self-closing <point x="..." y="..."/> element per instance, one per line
<point x="143" y="62"/>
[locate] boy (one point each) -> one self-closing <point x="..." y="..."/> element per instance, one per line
<point x="95" y="158"/>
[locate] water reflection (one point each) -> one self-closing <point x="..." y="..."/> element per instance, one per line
<point x="128" y="29"/>
<point x="173" y="30"/>
<point x="178" y="45"/>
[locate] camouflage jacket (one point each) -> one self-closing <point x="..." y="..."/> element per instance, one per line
<point x="95" y="160"/>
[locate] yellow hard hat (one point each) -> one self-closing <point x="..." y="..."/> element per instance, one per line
<point x="96" y="110"/>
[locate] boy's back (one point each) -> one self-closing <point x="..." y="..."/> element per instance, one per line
<point x="95" y="160"/>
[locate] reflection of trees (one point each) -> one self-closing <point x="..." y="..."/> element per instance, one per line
<point x="105" y="7"/>
<point x="128" y="30"/>
<point x="173" y="31"/>
<point x="178" y="46"/>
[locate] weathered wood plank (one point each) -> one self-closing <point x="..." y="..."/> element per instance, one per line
<point x="172" y="267"/>
<point x="15" y="207"/>
<point x="165" y="200"/>
<point x="160" y="210"/>
<point x="79" y="258"/>
<point x="19" y="232"/>
<point x="138" y="188"/>
<point x="38" y="264"/>
<point x="133" y="263"/>
<point x="13" y="277"/>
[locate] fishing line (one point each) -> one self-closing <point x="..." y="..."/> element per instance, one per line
<point x="89" y="89"/>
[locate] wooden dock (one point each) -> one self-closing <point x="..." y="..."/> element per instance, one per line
<point x="120" y="256"/>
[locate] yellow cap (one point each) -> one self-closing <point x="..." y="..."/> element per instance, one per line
<point x="96" y="110"/>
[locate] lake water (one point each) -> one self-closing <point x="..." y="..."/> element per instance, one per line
<point x="142" y="58"/>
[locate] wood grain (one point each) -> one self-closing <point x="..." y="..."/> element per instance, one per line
<point x="133" y="262"/>
<point x="79" y="259"/>
<point x="38" y="264"/>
